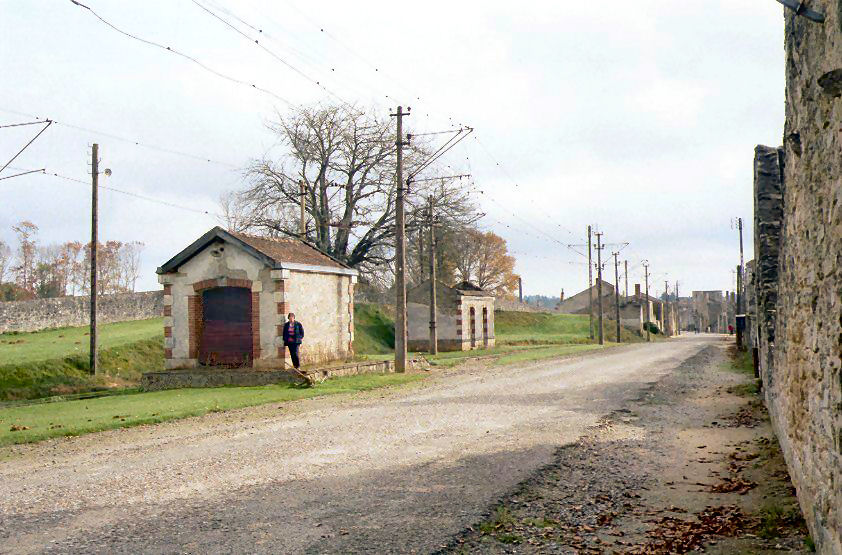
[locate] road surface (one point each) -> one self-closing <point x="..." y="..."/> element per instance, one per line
<point x="398" y="470"/>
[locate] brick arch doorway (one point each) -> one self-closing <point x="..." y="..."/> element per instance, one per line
<point x="226" y="335"/>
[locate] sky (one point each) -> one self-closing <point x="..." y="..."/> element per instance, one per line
<point x="638" y="118"/>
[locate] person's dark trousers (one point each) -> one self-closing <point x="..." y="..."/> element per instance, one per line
<point x="293" y="353"/>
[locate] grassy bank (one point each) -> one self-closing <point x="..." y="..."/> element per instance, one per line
<point x="30" y="423"/>
<point x="56" y="362"/>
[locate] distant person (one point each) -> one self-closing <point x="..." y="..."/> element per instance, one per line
<point x="293" y="336"/>
<point x="730" y="329"/>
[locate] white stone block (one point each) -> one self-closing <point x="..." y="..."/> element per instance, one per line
<point x="166" y="279"/>
<point x="167" y="300"/>
<point x="168" y="321"/>
<point x="279" y="274"/>
<point x="353" y="279"/>
<point x="169" y="343"/>
<point x="279" y="296"/>
<point x="256" y="286"/>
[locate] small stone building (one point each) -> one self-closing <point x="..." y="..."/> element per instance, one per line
<point x="464" y="317"/>
<point x="227" y="295"/>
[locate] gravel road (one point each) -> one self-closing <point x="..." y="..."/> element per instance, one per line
<point x="399" y="470"/>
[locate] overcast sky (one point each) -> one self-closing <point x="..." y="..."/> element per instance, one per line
<point x="637" y="117"/>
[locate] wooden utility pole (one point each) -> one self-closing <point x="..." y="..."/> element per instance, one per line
<point x="520" y="289"/>
<point x="648" y="316"/>
<point x="302" y="227"/>
<point x="740" y="297"/>
<point x="434" y="345"/>
<point x="677" y="310"/>
<point x="94" y="242"/>
<point x="590" y="284"/>
<point x="617" y="293"/>
<point x="599" y="282"/>
<point x="626" y="275"/>
<point x="400" y="251"/>
<point x="666" y="308"/>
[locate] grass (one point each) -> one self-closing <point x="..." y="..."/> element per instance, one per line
<point x="741" y="363"/>
<point x="60" y="343"/>
<point x="537" y="328"/>
<point x="374" y="330"/>
<point x="56" y="361"/>
<point x="71" y="418"/>
<point x="540" y="353"/>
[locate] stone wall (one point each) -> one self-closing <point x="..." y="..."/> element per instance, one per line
<point x="41" y="314"/>
<point x="804" y="387"/>
<point x="513" y="305"/>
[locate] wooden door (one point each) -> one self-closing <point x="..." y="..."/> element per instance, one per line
<point x="226" y="327"/>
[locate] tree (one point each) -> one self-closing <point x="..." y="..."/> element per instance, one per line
<point x="130" y="264"/>
<point x="482" y="258"/>
<point x="24" y="271"/>
<point x="345" y="160"/>
<point x="5" y="260"/>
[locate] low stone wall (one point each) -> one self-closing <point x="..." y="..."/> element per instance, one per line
<point x="219" y="377"/>
<point x="510" y="305"/>
<point x="39" y="314"/>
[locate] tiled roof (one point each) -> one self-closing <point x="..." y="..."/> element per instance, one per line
<point x="288" y="250"/>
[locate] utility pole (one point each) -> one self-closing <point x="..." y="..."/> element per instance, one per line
<point x="400" y="250"/>
<point x="737" y="328"/>
<point x="434" y="346"/>
<point x="520" y="289"/>
<point x="648" y="317"/>
<point x="302" y="227"/>
<point x="617" y="294"/>
<point x="626" y="275"/>
<point x="599" y="282"/>
<point x="666" y="307"/>
<point x="677" y="310"/>
<point x="94" y="241"/>
<point x="740" y="297"/>
<point x="590" y="284"/>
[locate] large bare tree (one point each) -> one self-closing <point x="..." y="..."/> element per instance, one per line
<point x="343" y="162"/>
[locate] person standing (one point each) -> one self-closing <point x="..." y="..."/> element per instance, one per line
<point x="293" y="336"/>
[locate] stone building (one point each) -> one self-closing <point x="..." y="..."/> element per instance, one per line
<point x="798" y="281"/>
<point x="464" y="317"/>
<point x="227" y="295"/>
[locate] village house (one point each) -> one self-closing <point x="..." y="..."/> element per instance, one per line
<point x="227" y="295"/>
<point x="464" y="317"/>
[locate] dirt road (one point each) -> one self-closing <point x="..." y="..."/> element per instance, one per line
<point x="388" y="471"/>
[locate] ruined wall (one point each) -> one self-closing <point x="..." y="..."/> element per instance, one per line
<point x="40" y="314"/>
<point x="805" y="389"/>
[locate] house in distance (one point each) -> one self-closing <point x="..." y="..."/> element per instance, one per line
<point x="227" y="295"/>
<point x="464" y="317"/>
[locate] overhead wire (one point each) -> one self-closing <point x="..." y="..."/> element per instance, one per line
<point x="32" y="140"/>
<point x="183" y="55"/>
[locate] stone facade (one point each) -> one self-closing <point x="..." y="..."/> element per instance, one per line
<point x="803" y="378"/>
<point x="39" y="314"/>
<point x="276" y="284"/>
<point x="464" y="318"/>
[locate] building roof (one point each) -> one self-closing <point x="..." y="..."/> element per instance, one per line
<point x="289" y="253"/>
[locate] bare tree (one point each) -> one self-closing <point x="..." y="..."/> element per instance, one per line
<point x="130" y="264"/>
<point x="5" y="260"/>
<point x="235" y="214"/>
<point x="24" y="271"/>
<point x="346" y="162"/>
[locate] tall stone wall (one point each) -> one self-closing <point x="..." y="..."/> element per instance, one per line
<point x="41" y="314"/>
<point x="804" y="393"/>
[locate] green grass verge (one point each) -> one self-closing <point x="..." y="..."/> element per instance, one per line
<point x="60" y="343"/>
<point x="70" y="418"/>
<point x="374" y="330"/>
<point x="540" y="353"/>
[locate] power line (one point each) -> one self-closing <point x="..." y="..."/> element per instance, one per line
<point x="20" y="124"/>
<point x="48" y="122"/>
<point x="22" y="173"/>
<point x="183" y="55"/>
<point x="124" y="139"/>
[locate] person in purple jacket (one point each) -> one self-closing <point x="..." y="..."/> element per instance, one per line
<point x="293" y="336"/>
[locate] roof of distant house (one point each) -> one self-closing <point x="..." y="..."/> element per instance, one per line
<point x="285" y="252"/>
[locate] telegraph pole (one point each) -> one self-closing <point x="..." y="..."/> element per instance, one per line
<point x="400" y="250"/>
<point x="648" y="317"/>
<point x="302" y="227"/>
<point x="740" y="297"/>
<point x="434" y="346"/>
<point x="94" y="241"/>
<point x="519" y="289"/>
<point x="617" y="294"/>
<point x="666" y="306"/>
<point x="677" y="310"/>
<point x="599" y="281"/>
<point x="590" y="283"/>
<point x="626" y="275"/>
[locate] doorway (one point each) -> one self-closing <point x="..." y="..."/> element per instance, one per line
<point x="226" y="335"/>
